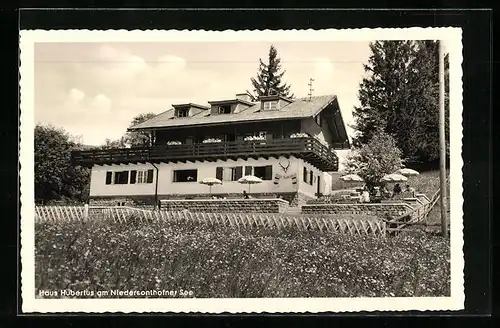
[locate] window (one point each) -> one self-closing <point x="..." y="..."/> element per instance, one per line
<point x="248" y="170"/>
<point x="229" y="173"/>
<point x="182" y="112"/>
<point x="270" y="105"/>
<point x="121" y="177"/>
<point x="318" y="119"/>
<point x="263" y="172"/>
<point x="225" y="109"/>
<point x="307" y="176"/>
<point x="185" y="175"/>
<point x="141" y="176"/>
<point x="109" y="177"/>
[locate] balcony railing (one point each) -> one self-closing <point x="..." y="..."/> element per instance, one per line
<point x="309" y="149"/>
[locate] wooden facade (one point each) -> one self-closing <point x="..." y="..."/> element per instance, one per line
<point x="309" y="149"/>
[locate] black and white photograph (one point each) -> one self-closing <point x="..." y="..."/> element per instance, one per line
<point x="241" y="171"/>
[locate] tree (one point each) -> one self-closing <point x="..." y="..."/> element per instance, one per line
<point x="269" y="79"/>
<point x="373" y="160"/>
<point x="139" y="138"/>
<point x="400" y="96"/>
<point x="56" y="179"/>
<point x="118" y="143"/>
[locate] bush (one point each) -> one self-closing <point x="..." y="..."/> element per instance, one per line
<point x="375" y="159"/>
<point x="218" y="261"/>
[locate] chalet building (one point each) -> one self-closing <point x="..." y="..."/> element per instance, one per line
<point x="290" y="144"/>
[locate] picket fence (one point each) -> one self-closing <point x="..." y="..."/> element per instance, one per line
<point x="353" y="225"/>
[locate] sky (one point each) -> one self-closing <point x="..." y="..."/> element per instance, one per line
<point x="93" y="90"/>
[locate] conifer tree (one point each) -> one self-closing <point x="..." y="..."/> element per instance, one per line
<point x="400" y="95"/>
<point x="269" y="80"/>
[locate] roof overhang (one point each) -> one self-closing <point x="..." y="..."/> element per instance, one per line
<point x="219" y="123"/>
<point x="274" y="97"/>
<point x="190" y="105"/>
<point x="337" y="124"/>
<point x="231" y="101"/>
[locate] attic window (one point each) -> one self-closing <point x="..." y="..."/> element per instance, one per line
<point x="224" y="109"/>
<point x="270" y="105"/>
<point x="182" y="112"/>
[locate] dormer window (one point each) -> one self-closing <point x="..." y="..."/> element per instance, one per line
<point x="224" y="109"/>
<point x="270" y="105"/>
<point x="182" y="112"/>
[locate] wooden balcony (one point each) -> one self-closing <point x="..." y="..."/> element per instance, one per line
<point x="309" y="149"/>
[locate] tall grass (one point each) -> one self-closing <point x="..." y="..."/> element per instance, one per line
<point x="217" y="261"/>
<point x="428" y="183"/>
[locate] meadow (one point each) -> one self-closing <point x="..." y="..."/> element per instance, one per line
<point x="217" y="261"/>
<point x="224" y="262"/>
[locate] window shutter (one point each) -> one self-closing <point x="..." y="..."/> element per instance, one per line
<point x="304" y="175"/>
<point x="248" y="170"/>
<point x="269" y="172"/>
<point x="109" y="177"/>
<point x="133" y="176"/>
<point x="218" y="173"/>
<point x="150" y="176"/>
<point x="238" y="172"/>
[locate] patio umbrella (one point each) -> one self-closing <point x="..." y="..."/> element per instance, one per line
<point x="249" y="180"/>
<point x="394" y="177"/>
<point x="408" y="172"/>
<point x="211" y="182"/>
<point x="351" y="178"/>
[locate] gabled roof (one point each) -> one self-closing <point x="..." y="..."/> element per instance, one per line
<point x="298" y="108"/>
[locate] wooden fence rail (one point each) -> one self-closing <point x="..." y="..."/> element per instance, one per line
<point x="413" y="217"/>
<point x="354" y="225"/>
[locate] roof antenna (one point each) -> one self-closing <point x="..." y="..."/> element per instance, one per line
<point x="310" y="84"/>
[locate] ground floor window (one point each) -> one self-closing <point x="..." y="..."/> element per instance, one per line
<point x="121" y="177"/>
<point x="235" y="173"/>
<point x="141" y="176"/>
<point x="136" y="176"/>
<point x="185" y="175"/>
<point x="307" y="176"/>
<point x="229" y="173"/>
<point x="263" y="172"/>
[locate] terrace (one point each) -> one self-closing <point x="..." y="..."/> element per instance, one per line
<point x="309" y="149"/>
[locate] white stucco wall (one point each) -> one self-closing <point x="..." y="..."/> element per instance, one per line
<point x="205" y="170"/>
<point x="306" y="188"/>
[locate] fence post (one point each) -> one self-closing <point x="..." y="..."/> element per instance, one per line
<point x="86" y="212"/>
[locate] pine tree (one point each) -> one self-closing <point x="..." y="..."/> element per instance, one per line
<point x="269" y="79"/>
<point x="400" y="96"/>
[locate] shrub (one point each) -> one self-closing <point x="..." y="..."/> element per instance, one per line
<point x="218" y="261"/>
<point x="375" y="159"/>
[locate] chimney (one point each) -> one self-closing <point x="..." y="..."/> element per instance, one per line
<point x="244" y="96"/>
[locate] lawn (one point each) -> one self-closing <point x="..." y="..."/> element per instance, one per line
<point x="219" y="261"/>
<point x="428" y="183"/>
